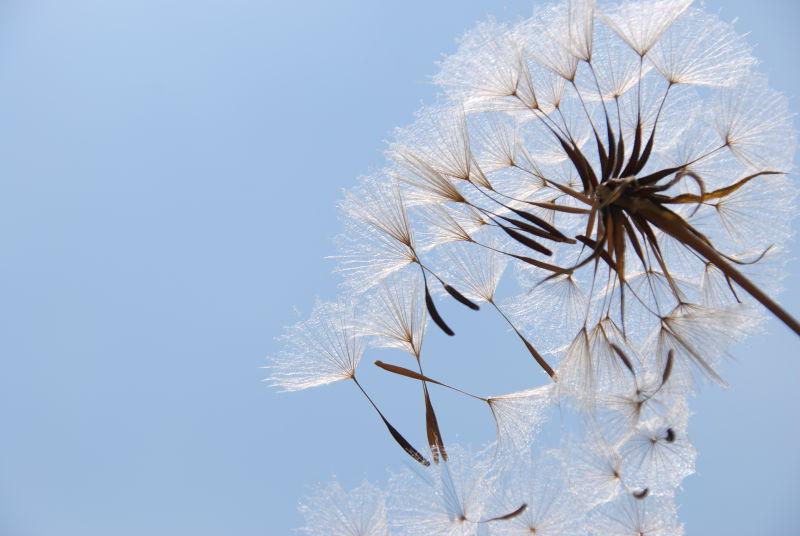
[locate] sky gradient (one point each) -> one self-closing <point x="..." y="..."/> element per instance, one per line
<point x="169" y="173"/>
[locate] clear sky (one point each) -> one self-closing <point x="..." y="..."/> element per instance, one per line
<point x="169" y="171"/>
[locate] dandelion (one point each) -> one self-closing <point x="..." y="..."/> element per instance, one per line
<point x="631" y="168"/>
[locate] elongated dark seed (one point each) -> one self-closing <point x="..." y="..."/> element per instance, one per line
<point x="538" y="221"/>
<point x="437" y="318"/>
<point x="645" y="154"/>
<point x="657" y="176"/>
<point x="637" y="145"/>
<point x="414" y="453"/>
<point x="461" y="298"/>
<point x="524" y="240"/>
<point x="625" y="360"/>
<point x="538" y="357"/>
<point x="538" y="264"/>
<point x="668" y="367"/>
<point x="408" y="373"/>
<point x="432" y="429"/>
<point x="620" y="157"/>
<point x="528" y="228"/>
<point x="510" y="515"/>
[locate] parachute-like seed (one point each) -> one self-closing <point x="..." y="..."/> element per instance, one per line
<point x="323" y="349"/>
<point x="497" y="140"/>
<point x="448" y="498"/>
<point x="395" y="314"/>
<point x="331" y="511"/>
<point x="439" y="138"/>
<point x="448" y="225"/>
<point x="658" y="455"/>
<point x="702" y="50"/>
<point x="486" y="70"/>
<point x="698" y="337"/>
<point x="754" y="123"/>
<point x="594" y="469"/>
<point x="641" y="23"/>
<point x="475" y="270"/>
<point x="552" y="510"/>
<point x="378" y="240"/>
<point x="518" y="417"/>
<point x="629" y="515"/>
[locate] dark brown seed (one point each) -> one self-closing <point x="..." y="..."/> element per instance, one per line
<point x="437" y="318"/>
<point x="410" y="450"/>
<point x="625" y="360"/>
<point x="612" y="151"/>
<point x="579" y="167"/>
<point x="637" y="146"/>
<point x="538" y="221"/>
<point x="538" y="264"/>
<point x="524" y="240"/>
<point x="637" y="247"/>
<point x="645" y="154"/>
<point x="602" y="155"/>
<point x="432" y="429"/>
<point x="670" y="437"/>
<point x="657" y="176"/>
<point x="618" y="236"/>
<point x="620" y="158"/>
<point x="641" y="494"/>
<point x="405" y="444"/>
<point x="558" y="208"/>
<point x="538" y="357"/>
<point x="461" y="298"/>
<point x="585" y="171"/>
<point x="668" y="367"/>
<point x="408" y="373"/>
<point x="510" y="515"/>
<point x="527" y="227"/>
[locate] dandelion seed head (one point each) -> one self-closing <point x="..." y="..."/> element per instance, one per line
<point x="633" y="169"/>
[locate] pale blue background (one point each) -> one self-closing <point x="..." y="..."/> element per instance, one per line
<point x="168" y="177"/>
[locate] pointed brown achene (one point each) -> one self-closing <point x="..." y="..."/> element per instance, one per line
<point x="397" y="436"/>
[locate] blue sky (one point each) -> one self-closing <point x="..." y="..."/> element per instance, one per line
<point x="169" y="174"/>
